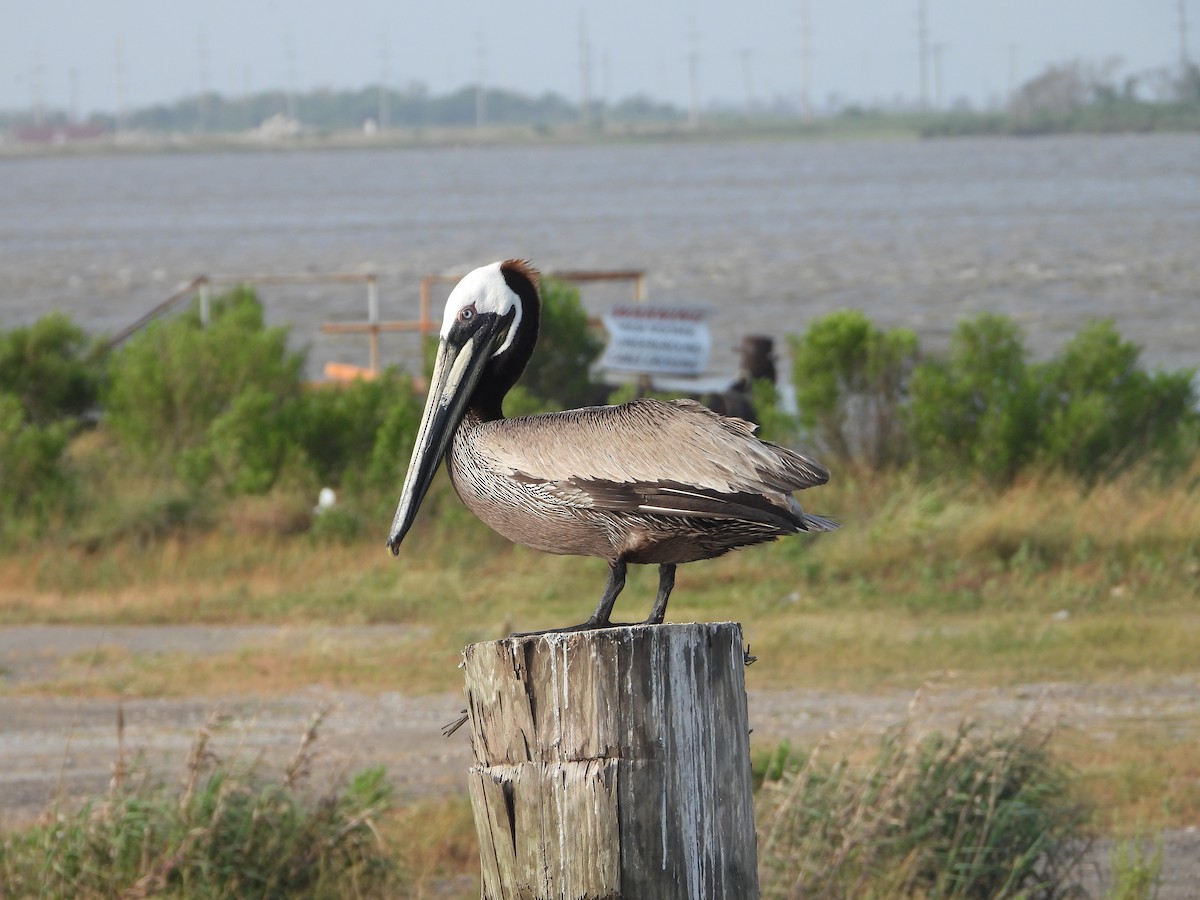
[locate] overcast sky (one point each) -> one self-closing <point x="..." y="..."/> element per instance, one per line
<point x="138" y="52"/>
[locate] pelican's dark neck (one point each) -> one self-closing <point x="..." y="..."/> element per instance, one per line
<point x="503" y="372"/>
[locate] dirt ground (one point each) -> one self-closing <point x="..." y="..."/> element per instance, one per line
<point x="59" y="749"/>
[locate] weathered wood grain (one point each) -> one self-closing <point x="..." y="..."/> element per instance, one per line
<point x="613" y="763"/>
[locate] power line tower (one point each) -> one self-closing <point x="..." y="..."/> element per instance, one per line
<point x="938" y="96"/>
<point x="805" y="61"/>
<point x="693" y="65"/>
<point x="289" y="62"/>
<point x="605" y="88"/>
<point x="481" y="72"/>
<point x="202" y="67"/>
<point x="247" y="121"/>
<point x="1012" y="72"/>
<point x="73" y="107"/>
<point x="747" y="56"/>
<point x="385" y="110"/>
<point x="585" y="73"/>
<point x="37" y="85"/>
<point x="1184" y="60"/>
<point x="119" y="85"/>
<point x="923" y="51"/>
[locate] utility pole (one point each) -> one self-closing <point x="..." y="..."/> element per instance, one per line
<point x="747" y="56"/>
<point x="289" y="60"/>
<point x="1184" y="61"/>
<point x="605" y="87"/>
<point x="119" y="85"/>
<point x="693" y="65"/>
<point x="37" y="88"/>
<point x="202" y="99"/>
<point x="923" y="51"/>
<point x="585" y="73"/>
<point x="246" y="120"/>
<point x="937" y="76"/>
<point x="385" y="112"/>
<point x="73" y="108"/>
<point x="480" y="93"/>
<point x="1012" y="72"/>
<point x="805" y="61"/>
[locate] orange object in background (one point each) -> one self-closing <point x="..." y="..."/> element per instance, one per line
<point x="335" y="371"/>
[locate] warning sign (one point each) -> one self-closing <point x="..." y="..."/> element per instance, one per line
<point x="657" y="339"/>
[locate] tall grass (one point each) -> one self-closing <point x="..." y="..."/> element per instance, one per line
<point x="961" y="815"/>
<point x="1136" y="868"/>
<point x="224" y="831"/>
<point x="965" y="814"/>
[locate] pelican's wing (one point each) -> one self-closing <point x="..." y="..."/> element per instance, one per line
<point x="676" y="458"/>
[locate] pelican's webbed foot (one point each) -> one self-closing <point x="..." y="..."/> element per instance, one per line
<point x="601" y="618"/>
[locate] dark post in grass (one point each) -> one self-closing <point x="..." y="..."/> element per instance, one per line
<point x="613" y="763"/>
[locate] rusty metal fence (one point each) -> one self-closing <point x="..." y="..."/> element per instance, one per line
<point x="373" y="326"/>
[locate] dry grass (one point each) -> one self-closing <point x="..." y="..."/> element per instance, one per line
<point x="1042" y="582"/>
<point x="1143" y="774"/>
<point x="925" y="813"/>
<point x="441" y="849"/>
<point x="276" y="665"/>
<point x="225" y="829"/>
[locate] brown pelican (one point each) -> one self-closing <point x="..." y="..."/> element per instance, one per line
<point x="644" y="482"/>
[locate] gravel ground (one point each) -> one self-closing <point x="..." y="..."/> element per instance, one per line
<point x="63" y="748"/>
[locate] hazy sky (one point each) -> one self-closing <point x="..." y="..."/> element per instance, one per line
<point x="143" y="51"/>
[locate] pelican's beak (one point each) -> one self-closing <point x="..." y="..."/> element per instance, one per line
<point x="456" y="371"/>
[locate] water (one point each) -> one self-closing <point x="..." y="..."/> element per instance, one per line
<point x="769" y="234"/>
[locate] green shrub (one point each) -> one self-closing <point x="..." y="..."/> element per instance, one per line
<point x="33" y="477"/>
<point x="395" y="438"/>
<point x="850" y="380"/>
<point x="227" y="832"/>
<point x="226" y="406"/>
<point x="173" y="381"/>
<point x="359" y="434"/>
<point x="249" y="444"/>
<point x="1103" y="412"/>
<point x="558" y="374"/>
<point x="142" y="513"/>
<point x="52" y="368"/>
<point x="50" y="375"/>
<point x="774" y="423"/>
<point x="978" y="410"/>
<point x="953" y="816"/>
<point x="1136" y="875"/>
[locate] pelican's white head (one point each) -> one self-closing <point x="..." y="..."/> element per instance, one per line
<point x="486" y="290"/>
<point x="486" y="340"/>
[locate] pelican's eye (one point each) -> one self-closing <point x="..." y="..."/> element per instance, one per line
<point x="467" y="313"/>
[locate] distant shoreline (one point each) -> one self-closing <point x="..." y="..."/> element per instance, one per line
<point x="148" y="142"/>
<point x="135" y="143"/>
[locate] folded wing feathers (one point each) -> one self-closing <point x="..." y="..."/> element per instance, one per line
<point x="652" y="442"/>
<point x="668" y="459"/>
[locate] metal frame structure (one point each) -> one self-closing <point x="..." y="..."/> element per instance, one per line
<point x="426" y="324"/>
<point x="373" y="326"/>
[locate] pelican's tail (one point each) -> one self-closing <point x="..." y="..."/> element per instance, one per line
<point x="818" y="523"/>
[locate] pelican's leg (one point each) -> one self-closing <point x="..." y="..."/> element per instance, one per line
<point x="666" y="581"/>
<point x="601" y="618"/>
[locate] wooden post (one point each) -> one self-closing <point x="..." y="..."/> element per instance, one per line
<point x="613" y="763"/>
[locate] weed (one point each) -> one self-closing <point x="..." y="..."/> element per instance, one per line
<point x="959" y="815"/>
<point x="1136" y="875"/>
<point x="225" y="831"/>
